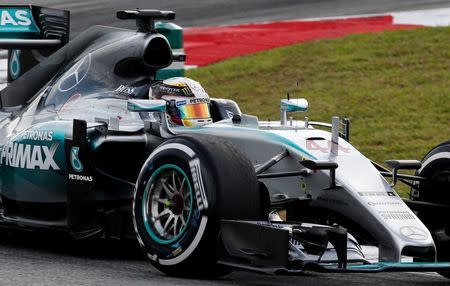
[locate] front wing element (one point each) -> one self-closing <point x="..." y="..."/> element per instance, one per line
<point x="290" y="249"/>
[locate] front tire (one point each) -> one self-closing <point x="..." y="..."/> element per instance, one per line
<point x="186" y="186"/>
<point x="436" y="167"/>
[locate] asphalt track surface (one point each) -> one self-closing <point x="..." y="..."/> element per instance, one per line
<point x="27" y="259"/>
<point x="30" y="259"/>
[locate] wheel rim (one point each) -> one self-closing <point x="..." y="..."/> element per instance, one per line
<point x="167" y="204"/>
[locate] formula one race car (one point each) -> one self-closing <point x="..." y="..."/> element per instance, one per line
<point x="86" y="152"/>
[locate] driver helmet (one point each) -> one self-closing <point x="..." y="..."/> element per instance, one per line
<point x="189" y="102"/>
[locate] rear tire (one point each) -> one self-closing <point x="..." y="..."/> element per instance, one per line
<point x="436" y="165"/>
<point x="219" y="183"/>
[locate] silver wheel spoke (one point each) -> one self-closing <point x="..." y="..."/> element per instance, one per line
<point x="159" y="200"/>
<point x="168" y="226"/>
<point x="182" y="185"/>
<point x="167" y="189"/>
<point x="183" y="222"/>
<point x="169" y="204"/>
<point x="175" y="226"/>
<point x="187" y="196"/>
<point x="174" y="183"/>
<point x="162" y="214"/>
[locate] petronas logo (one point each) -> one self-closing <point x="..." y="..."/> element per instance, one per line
<point x="14" y="64"/>
<point x="75" y="161"/>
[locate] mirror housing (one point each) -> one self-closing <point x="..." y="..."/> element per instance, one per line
<point x="295" y="104"/>
<point x="291" y="105"/>
<point x="146" y="105"/>
<point x="396" y="165"/>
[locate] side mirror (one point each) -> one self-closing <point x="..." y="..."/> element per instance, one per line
<point x="323" y="165"/>
<point x="144" y="105"/>
<point x="293" y="105"/>
<point x="396" y="165"/>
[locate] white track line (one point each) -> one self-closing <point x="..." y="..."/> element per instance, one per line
<point x="432" y="17"/>
<point x="429" y="17"/>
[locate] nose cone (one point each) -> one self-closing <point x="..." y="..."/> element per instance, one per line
<point x="366" y="198"/>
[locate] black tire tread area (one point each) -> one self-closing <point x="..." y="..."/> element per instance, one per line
<point x="234" y="177"/>
<point x="428" y="192"/>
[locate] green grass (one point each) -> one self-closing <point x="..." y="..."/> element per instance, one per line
<point x="394" y="86"/>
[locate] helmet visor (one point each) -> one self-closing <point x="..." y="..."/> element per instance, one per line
<point x="194" y="111"/>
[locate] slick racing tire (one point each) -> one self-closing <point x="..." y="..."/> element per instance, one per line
<point x="436" y="166"/>
<point x="186" y="186"/>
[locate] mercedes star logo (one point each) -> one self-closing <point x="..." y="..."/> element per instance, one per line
<point x="413" y="233"/>
<point x="75" y="74"/>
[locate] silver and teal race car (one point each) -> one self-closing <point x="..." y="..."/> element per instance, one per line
<point x="84" y="151"/>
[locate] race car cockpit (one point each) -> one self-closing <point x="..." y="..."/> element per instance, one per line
<point x="100" y="59"/>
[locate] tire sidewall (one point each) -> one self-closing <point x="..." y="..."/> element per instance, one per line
<point x="437" y="160"/>
<point x="187" y="158"/>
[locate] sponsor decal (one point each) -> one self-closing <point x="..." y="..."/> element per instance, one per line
<point x="397" y="215"/>
<point x="75" y="161"/>
<point x="177" y="251"/>
<point x="125" y="89"/>
<point x="180" y="103"/>
<point x="198" y="100"/>
<point x="36" y="135"/>
<point x="27" y="156"/>
<point x="324" y="146"/>
<point x="377" y="194"/>
<point x="391" y="203"/>
<point x="174" y="90"/>
<point x="17" y="20"/>
<point x="187" y="91"/>
<point x="200" y="195"/>
<point x="230" y="114"/>
<point x="414" y="233"/>
<point x="303" y="185"/>
<point x="75" y="74"/>
<point x="82" y="178"/>
<point x="169" y="89"/>
<point x="14" y="64"/>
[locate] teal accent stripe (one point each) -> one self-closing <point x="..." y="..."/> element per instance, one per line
<point x="386" y="265"/>
<point x="269" y="135"/>
<point x="144" y="106"/>
<point x="288" y="142"/>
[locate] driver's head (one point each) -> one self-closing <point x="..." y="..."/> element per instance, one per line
<point x="190" y="101"/>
